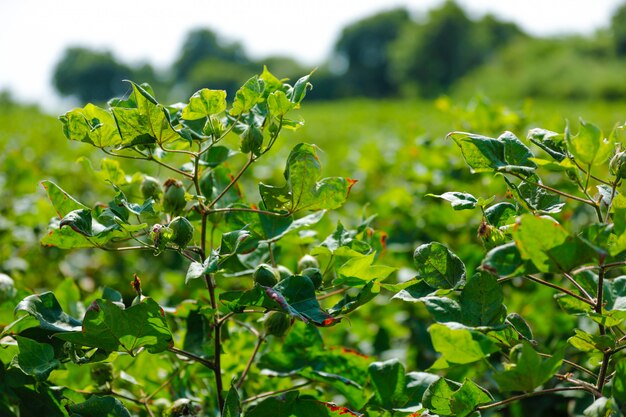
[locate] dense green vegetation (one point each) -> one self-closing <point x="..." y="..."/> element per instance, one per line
<point x="381" y="337"/>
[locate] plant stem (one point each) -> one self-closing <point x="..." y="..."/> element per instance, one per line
<point x="233" y="181"/>
<point x="259" y="342"/>
<point x="193" y="357"/>
<point x="603" y="368"/>
<point x="577" y="285"/>
<point x="529" y="395"/>
<point x="208" y="278"/>
<point x="555" y="191"/>
<point x="270" y="393"/>
<point x="330" y="294"/>
<point x="251" y="210"/>
<point x="556" y="287"/>
<point x="573" y="365"/>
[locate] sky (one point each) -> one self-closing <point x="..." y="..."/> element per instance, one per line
<point x="34" y="33"/>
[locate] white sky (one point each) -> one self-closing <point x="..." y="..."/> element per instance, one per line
<point x="34" y="33"/>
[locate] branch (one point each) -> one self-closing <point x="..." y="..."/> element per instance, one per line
<point x="233" y="181"/>
<point x="270" y="393"/>
<point x="573" y="365"/>
<point x="564" y="290"/>
<point x="209" y="364"/>
<point x="529" y="395"/>
<point x="555" y="191"/>
<point x="259" y="342"/>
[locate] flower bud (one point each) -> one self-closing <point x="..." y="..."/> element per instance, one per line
<point x="150" y="188"/>
<point x="265" y="275"/>
<point x="174" y="196"/>
<point x="277" y="324"/>
<point x="617" y="166"/>
<point x="182" y="231"/>
<point x="307" y="261"/>
<point x="102" y="373"/>
<point x="315" y="275"/>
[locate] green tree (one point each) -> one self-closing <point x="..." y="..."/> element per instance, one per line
<point x="363" y="46"/>
<point x="90" y="75"/>
<point x="428" y="58"/>
<point x="618" y="28"/>
<point x="203" y="44"/>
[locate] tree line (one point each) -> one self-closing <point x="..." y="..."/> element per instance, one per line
<point x="389" y="54"/>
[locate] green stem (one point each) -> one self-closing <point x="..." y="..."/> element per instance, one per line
<point x="598" y="309"/>
<point x="572" y="364"/>
<point x="250" y="210"/>
<point x="555" y="191"/>
<point x="529" y="395"/>
<point x="271" y="393"/>
<point x="233" y="181"/>
<point x="193" y="357"/>
<point x="259" y="342"/>
<point x="603" y="368"/>
<point x="556" y="287"/>
<point x="210" y="283"/>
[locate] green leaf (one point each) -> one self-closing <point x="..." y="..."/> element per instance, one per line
<point x="148" y="122"/>
<point x="619" y="382"/>
<point x="279" y="104"/>
<point x="446" y="398"/>
<point x="81" y="234"/>
<point x="349" y="303"/>
<point x="304" y="190"/>
<point x="438" y="397"/>
<point x="80" y="221"/>
<point x="232" y="405"/>
<point x="48" y="312"/>
<point x="388" y="381"/>
<point x="62" y="202"/>
<point x="603" y="407"/>
<point x="459" y="201"/>
<point x="233" y="243"/>
<point x="97" y="406"/>
<point x="92" y="125"/>
<point x="416" y="385"/>
<point x="551" y="142"/>
<point x="271" y="82"/>
<point x="298" y="92"/>
<point x="36" y="359"/>
<point x="205" y="103"/>
<point x="506" y="261"/>
<point x="438" y="266"/>
<point x="247" y="96"/>
<point x="481" y="301"/>
<point x="587" y="342"/>
<point x="535" y="198"/>
<point x="278" y="406"/>
<point x="359" y="271"/>
<point x="504" y="154"/>
<point x="501" y="214"/>
<point x="548" y="245"/>
<point x="529" y="372"/>
<point x="109" y="327"/>
<point x="520" y="325"/>
<point x="467" y="398"/>
<point x="296" y="296"/>
<point x="459" y="345"/>
<point x="588" y="146"/>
